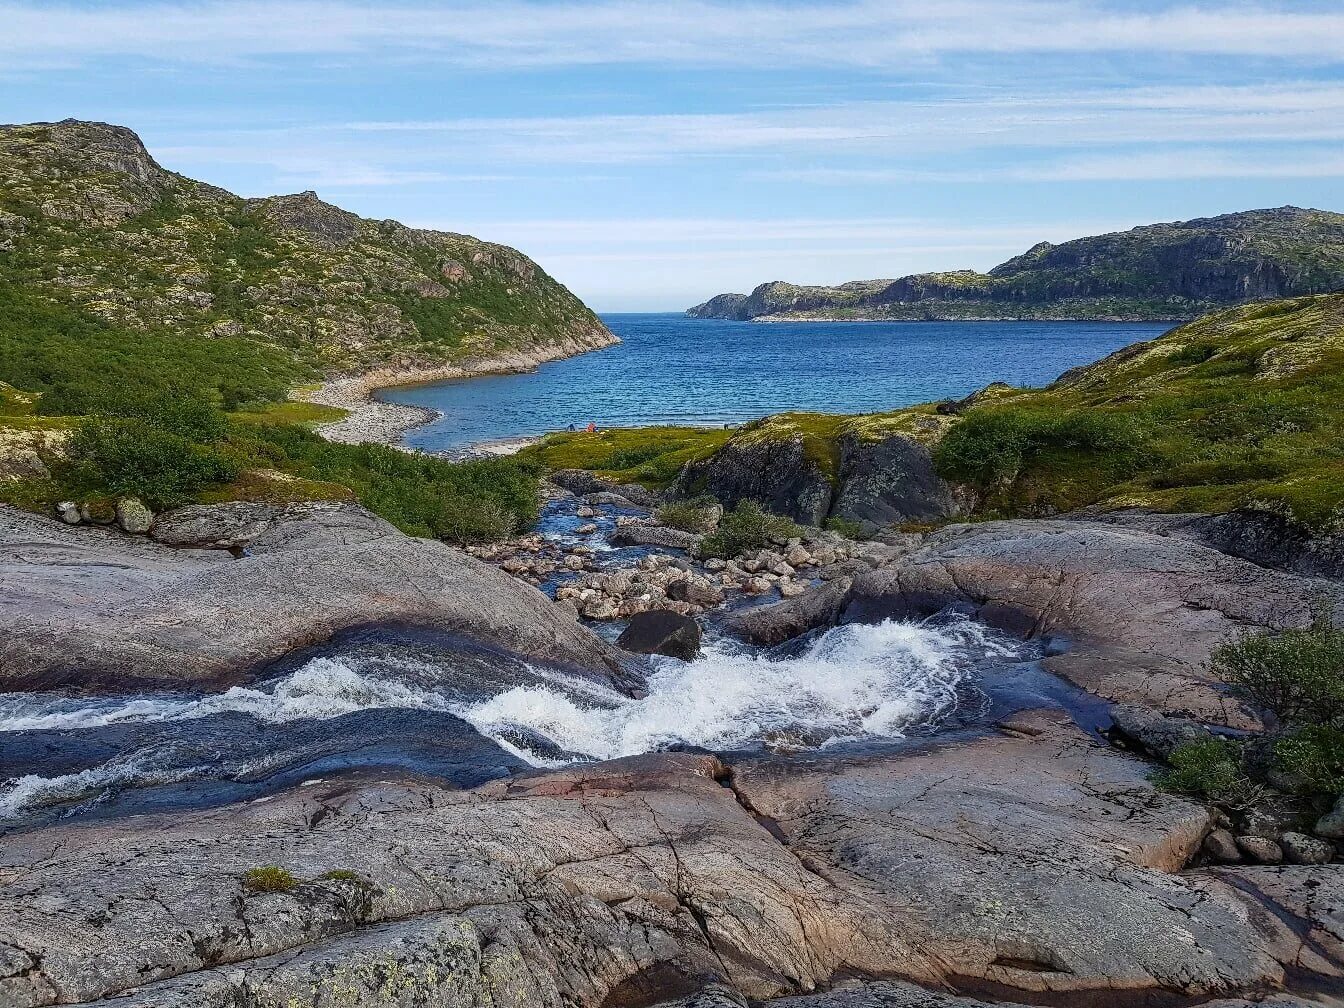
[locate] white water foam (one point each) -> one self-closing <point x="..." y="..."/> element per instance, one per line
<point x="851" y="683"/>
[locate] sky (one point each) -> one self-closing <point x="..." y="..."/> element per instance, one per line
<point x="652" y="154"/>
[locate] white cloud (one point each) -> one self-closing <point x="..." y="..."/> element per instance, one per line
<point x="874" y="33"/>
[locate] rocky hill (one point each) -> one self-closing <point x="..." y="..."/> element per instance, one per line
<point x="1162" y="271"/>
<point x="88" y="219"/>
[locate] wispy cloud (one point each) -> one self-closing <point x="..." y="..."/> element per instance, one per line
<point x="699" y="32"/>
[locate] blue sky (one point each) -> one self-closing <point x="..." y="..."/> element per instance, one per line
<point x="652" y="154"/>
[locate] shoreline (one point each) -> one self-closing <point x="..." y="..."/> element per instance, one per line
<point x="374" y="422"/>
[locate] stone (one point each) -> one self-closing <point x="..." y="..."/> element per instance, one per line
<point x="1260" y="849"/>
<point x="695" y="590"/>
<point x="715" y="564"/>
<point x="1142" y="611"/>
<point x="774" y="624"/>
<point x="655" y="535"/>
<point x="1155" y="732"/>
<point x="583" y="483"/>
<point x="1221" y="846"/>
<point x="789" y="588"/>
<point x="68" y="512"/>
<point x="1298" y="848"/>
<point x="1331" y="825"/>
<point x="798" y="556"/>
<point x="756" y="586"/>
<point x="574" y="562"/>
<point x="84" y="606"/>
<point x="586" y="529"/>
<point x="215" y="526"/>
<point x="133" y="517"/>
<point x="660" y="631"/>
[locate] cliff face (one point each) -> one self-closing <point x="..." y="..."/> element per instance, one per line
<point x="1163" y="271"/>
<point x="89" y="219"/>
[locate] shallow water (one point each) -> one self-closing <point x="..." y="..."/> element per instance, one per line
<point x="674" y="369"/>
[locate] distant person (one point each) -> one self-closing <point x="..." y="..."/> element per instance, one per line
<point x="592" y="427"/>
<point x="573" y="427"/>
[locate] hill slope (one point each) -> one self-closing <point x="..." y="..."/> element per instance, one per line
<point x="1162" y="271"/>
<point x="89" y="221"/>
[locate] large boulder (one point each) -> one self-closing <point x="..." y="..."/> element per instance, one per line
<point x="1136" y="615"/>
<point x="655" y="535"/>
<point x="583" y="483"/>
<point x="774" y="624"/>
<point x="82" y="605"/>
<point x="231" y="525"/>
<point x="663" y="632"/>
<point x="779" y="474"/>
<point x="889" y="481"/>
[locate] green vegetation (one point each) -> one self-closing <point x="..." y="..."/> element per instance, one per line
<point x="845" y="527"/>
<point x="746" y="527"/>
<point x="269" y="879"/>
<point x="651" y="456"/>
<point x="699" y="514"/>
<point x="1240" y="409"/>
<point x="1295" y="675"/>
<point x="1163" y="271"/>
<point x="1210" y="769"/>
<point x="1295" y="678"/>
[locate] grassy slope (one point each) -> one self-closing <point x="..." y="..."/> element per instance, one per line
<point x="123" y="286"/>
<point x="1244" y="407"/>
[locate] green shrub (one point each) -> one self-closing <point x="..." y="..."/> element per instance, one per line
<point x="845" y="527"/>
<point x="698" y="514"/>
<point x="746" y="527"/>
<point x="163" y="449"/>
<point x="1313" y="758"/>
<point x="269" y="879"/>
<point x="1295" y="675"/>
<point x="1210" y="769"/>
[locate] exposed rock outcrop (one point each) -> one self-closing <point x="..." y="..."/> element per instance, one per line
<point x="89" y="605"/>
<point x="1140" y="612"/>
<point x="1034" y="858"/>
<point x="661" y="631"/>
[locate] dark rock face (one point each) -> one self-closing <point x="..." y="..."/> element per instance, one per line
<point x="89" y="605"/>
<point x="1259" y="536"/>
<point x="661" y="631"/>
<point x="777" y="474"/>
<point x="1161" y="271"/>
<point x="1142" y="611"/>
<point x="890" y="481"/>
<point x="877" y="483"/>
<point x="582" y="483"/>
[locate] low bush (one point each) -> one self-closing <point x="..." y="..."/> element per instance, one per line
<point x="746" y="527"/>
<point x="845" y="527"/>
<point x="1210" y="769"/>
<point x="699" y="514"/>
<point x="1295" y="675"/>
<point x="1313" y="759"/>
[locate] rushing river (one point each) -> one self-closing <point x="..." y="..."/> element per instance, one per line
<point x="674" y="369"/>
<point x="414" y="702"/>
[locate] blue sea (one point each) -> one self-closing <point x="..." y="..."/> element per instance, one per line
<point x="671" y="369"/>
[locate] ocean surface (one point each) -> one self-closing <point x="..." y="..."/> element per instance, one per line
<point x="671" y="369"/>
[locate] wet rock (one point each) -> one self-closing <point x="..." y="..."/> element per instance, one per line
<point x="86" y="605"/>
<point x="587" y="529"/>
<point x="655" y="535"/>
<point x="1143" y="611"/>
<point x="774" y="624"/>
<point x="1155" y="732"/>
<point x="1298" y="848"/>
<point x="1260" y="849"/>
<point x="1221" y="846"/>
<point x="660" y="631"/>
